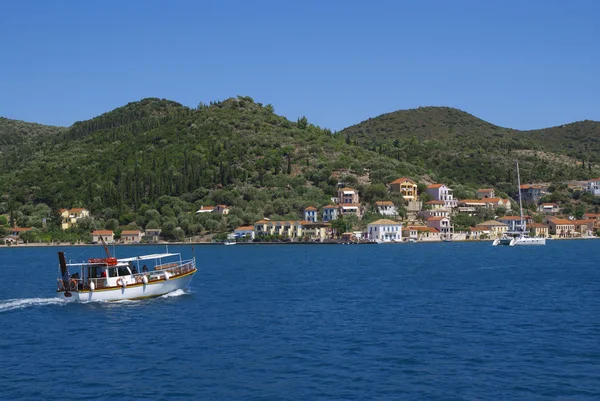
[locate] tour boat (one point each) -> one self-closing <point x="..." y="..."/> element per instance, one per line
<point x="519" y="236"/>
<point x="112" y="279"/>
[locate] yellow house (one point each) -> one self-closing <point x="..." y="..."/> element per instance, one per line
<point x="406" y="187"/>
<point x="70" y="217"/>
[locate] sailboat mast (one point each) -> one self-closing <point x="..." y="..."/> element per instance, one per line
<point x="520" y="201"/>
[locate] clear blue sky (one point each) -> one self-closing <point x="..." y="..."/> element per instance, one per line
<point x="520" y="64"/>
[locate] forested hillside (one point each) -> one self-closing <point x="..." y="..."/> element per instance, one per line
<point x="16" y="134"/>
<point x="153" y="163"/>
<point x="458" y="147"/>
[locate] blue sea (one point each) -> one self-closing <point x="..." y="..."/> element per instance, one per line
<point x="447" y="321"/>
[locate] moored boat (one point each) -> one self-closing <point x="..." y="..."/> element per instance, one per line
<point x="112" y="279"/>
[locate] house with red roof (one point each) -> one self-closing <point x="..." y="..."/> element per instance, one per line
<point x="131" y="236"/>
<point x="406" y="187"/>
<point x="443" y="225"/>
<point x="70" y="217"/>
<point x="441" y="192"/>
<point x="310" y="214"/>
<point x="485" y="193"/>
<point x="107" y="235"/>
<point x="548" y="208"/>
<point x="386" y="208"/>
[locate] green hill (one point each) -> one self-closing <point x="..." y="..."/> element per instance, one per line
<point x="458" y="147"/>
<point x="154" y="162"/>
<point x="20" y="134"/>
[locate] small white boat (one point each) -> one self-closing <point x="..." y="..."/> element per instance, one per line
<point x="229" y="243"/>
<point x="112" y="279"/>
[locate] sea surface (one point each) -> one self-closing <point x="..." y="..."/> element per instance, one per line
<point x="447" y="321"/>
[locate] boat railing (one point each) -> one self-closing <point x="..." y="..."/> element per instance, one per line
<point x="172" y="269"/>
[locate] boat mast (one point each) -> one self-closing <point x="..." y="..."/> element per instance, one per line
<point x="520" y="202"/>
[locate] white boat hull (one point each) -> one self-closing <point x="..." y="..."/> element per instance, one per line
<point x="132" y="291"/>
<point x="530" y="241"/>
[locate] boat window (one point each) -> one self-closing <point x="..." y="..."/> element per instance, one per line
<point x="124" y="271"/>
<point x="112" y="272"/>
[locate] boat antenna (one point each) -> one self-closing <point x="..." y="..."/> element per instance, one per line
<point x="105" y="246"/>
<point x="520" y="201"/>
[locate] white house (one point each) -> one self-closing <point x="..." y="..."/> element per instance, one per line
<point x="443" y="225"/>
<point x="151" y="234"/>
<point x="387" y="208"/>
<point x="244" y="231"/>
<point x="107" y="235"/>
<point x="330" y="212"/>
<point x="385" y="230"/>
<point x="548" y="208"/>
<point x="310" y="214"/>
<point x="205" y="209"/>
<point x="441" y="192"/>
<point x="131" y="236"/>
<point x="593" y="186"/>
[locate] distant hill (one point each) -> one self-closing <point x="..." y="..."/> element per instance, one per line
<point x="15" y="132"/>
<point x="578" y="140"/>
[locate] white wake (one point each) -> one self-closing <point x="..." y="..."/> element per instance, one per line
<point x="176" y="293"/>
<point x="12" y="304"/>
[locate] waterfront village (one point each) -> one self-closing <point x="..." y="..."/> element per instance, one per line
<point x="432" y="220"/>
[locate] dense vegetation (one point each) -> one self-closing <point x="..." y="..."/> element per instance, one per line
<point x="459" y="148"/>
<point x="153" y="163"/>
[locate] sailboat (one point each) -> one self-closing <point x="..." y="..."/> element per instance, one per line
<point x="519" y="236"/>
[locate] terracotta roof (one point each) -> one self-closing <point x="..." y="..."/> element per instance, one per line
<point x="491" y="223"/>
<point x="223" y="206"/>
<point x="436" y="218"/>
<point x="77" y="209"/>
<point x="473" y="201"/>
<point x="494" y="200"/>
<point x="422" y="228"/>
<point x="102" y="232"/>
<point x="206" y="208"/>
<point x="527" y="186"/>
<point x="594" y="180"/>
<point x="592" y="215"/>
<point x="435" y="202"/>
<point x="403" y="179"/>
<point x="561" y="222"/>
<point x="311" y="208"/>
<point x="431" y="186"/>
<point x="349" y="204"/>
<point x="21" y="229"/>
<point x="485" y="190"/>
<point x="585" y="221"/>
<point x="348" y="189"/>
<point x="382" y="203"/>
<point x="330" y="207"/>
<point x="384" y="222"/>
<point x="511" y="218"/>
<point x="537" y="225"/>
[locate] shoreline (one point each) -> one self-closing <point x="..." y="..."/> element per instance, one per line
<point x="43" y="245"/>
